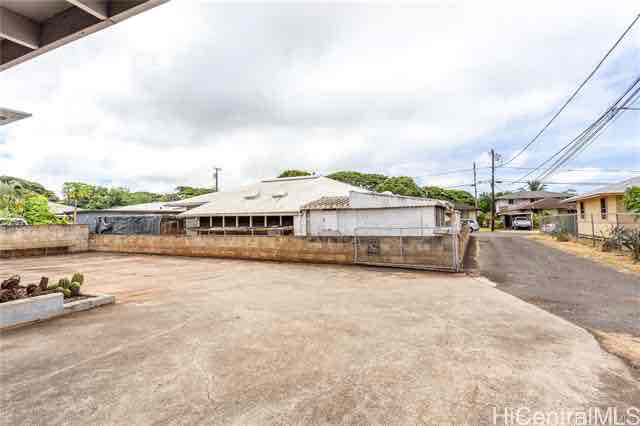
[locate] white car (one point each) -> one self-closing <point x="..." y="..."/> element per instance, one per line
<point x="521" y="223"/>
<point x="473" y="225"/>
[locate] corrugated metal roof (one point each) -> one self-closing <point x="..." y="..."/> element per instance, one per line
<point x="270" y="196"/>
<point x="155" y="206"/>
<point x="371" y="200"/>
<point x="328" y="203"/>
<point x="616" y="188"/>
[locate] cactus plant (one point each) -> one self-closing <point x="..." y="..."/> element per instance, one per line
<point x="66" y="292"/>
<point x="75" y="288"/>
<point x="78" y="278"/>
<point x="64" y="283"/>
<point x="52" y="286"/>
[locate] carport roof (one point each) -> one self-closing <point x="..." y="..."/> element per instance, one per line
<point x="31" y="28"/>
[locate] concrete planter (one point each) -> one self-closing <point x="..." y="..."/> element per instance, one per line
<point x="31" y="309"/>
<point x="39" y="308"/>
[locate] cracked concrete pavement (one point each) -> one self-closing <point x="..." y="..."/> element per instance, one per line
<point x="195" y="341"/>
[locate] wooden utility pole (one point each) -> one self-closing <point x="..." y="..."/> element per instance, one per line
<point x="475" y="185"/>
<point x="216" y="170"/>
<point x="493" y="190"/>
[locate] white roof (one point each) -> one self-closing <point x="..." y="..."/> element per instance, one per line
<point x="615" y="188"/>
<point x="270" y="196"/>
<point x="57" y="208"/>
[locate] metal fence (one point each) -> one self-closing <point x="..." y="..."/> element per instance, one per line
<point x="590" y="226"/>
<point x="559" y="223"/>
<point x="432" y="248"/>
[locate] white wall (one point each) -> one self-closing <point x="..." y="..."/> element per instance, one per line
<point x="344" y="222"/>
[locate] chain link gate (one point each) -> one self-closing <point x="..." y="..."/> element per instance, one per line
<point x="430" y="248"/>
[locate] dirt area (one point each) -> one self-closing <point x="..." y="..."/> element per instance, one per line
<point x="620" y="261"/>
<point x="567" y="281"/>
<point x="209" y="341"/>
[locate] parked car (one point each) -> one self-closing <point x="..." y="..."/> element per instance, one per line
<point x="521" y="223"/>
<point x="13" y="221"/>
<point x="473" y="225"/>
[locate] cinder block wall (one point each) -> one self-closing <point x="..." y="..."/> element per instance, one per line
<point x="281" y="248"/>
<point x="17" y="238"/>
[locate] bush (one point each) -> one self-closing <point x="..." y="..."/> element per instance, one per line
<point x="631" y="240"/>
<point x="561" y="235"/>
<point x="613" y="240"/>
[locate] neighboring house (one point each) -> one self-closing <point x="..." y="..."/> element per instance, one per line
<point x="375" y="214"/>
<point x="466" y="211"/>
<point x="61" y="210"/>
<point x="603" y="208"/>
<point x="148" y="218"/>
<point x="527" y="203"/>
<point x="271" y="206"/>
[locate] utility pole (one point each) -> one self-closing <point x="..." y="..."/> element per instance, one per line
<point x="475" y="184"/>
<point x="493" y="190"/>
<point x="216" y="170"/>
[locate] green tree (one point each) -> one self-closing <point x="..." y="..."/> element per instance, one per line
<point x="454" y="195"/>
<point x="535" y="185"/>
<point x="76" y="193"/>
<point x="29" y="187"/>
<point x="183" y="192"/>
<point x="294" y="173"/>
<point x="368" y="181"/>
<point x="36" y="210"/>
<point x="632" y="199"/>
<point x="401" y="185"/>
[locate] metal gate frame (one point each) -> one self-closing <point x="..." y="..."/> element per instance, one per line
<point x="424" y="232"/>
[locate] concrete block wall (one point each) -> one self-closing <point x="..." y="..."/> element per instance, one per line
<point x="280" y="248"/>
<point x="27" y="238"/>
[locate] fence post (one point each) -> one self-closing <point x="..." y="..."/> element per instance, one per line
<point x="593" y="231"/>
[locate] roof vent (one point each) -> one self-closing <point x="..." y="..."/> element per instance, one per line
<point x="279" y="194"/>
<point x="252" y="194"/>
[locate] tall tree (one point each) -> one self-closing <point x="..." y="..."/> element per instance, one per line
<point x="76" y="193"/>
<point x="294" y="173"/>
<point x="368" y="181"/>
<point x="535" y="185"/>
<point x="401" y="185"/>
<point x="632" y="199"/>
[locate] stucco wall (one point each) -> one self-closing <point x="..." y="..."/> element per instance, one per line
<point x="17" y="239"/>
<point x="592" y="211"/>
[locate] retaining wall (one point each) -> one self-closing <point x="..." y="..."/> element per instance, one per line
<point x="281" y="248"/>
<point x="38" y="239"/>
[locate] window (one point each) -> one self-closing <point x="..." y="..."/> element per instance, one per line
<point x="603" y="208"/>
<point x="582" y="213"/>
<point x="510" y="201"/>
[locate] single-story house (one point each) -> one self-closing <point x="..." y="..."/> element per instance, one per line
<point x="367" y="213"/>
<point x="526" y="203"/>
<point x="271" y="206"/>
<point x="148" y="218"/>
<point x="466" y="211"/>
<point x="603" y="208"/>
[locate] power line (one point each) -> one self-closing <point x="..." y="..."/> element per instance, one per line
<point x="573" y="95"/>
<point x="586" y="135"/>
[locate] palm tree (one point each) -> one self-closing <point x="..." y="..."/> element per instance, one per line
<point x="535" y="185"/>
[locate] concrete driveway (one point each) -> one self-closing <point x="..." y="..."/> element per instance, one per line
<point x="207" y="341"/>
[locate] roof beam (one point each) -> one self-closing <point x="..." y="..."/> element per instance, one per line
<point x="97" y="8"/>
<point x="19" y="29"/>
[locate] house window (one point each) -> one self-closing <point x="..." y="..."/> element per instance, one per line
<point x="603" y="208"/>
<point x="582" y="213"/>
<point x="511" y="201"/>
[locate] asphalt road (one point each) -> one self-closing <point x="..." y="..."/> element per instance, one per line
<point x="589" y="294"/>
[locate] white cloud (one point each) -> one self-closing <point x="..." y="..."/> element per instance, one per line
<point x="159" y="99"/>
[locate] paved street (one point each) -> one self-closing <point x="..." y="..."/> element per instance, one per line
<point x="584" y="292"/>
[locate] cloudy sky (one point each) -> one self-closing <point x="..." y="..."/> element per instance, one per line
<point x="417" y="90"/>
